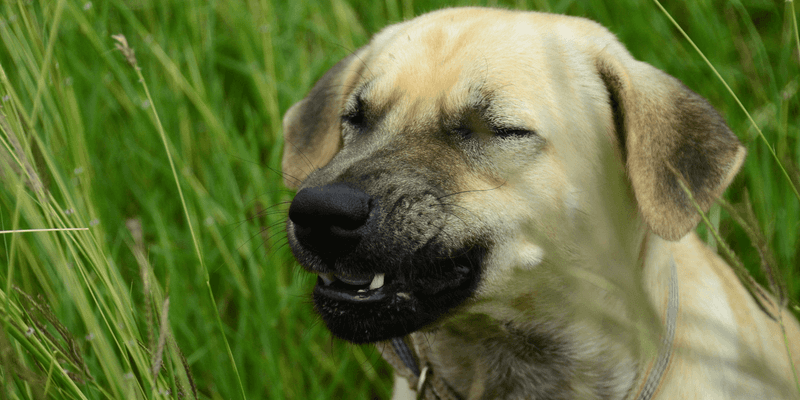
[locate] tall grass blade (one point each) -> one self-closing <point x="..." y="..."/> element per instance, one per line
<point x="128" y="52"/>
<point x="752" y="121"/>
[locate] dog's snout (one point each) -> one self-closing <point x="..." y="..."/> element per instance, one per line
<point x="327" y="218"/>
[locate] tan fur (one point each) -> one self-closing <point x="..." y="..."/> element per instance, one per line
<point x="584" y="219"/>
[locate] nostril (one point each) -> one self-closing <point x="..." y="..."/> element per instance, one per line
<point x="336" y="208"/>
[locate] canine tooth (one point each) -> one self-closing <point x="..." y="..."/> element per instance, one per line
<point x="403" y="295"/>
<point x="377" y="281"/>
<point x="327" y="278"/>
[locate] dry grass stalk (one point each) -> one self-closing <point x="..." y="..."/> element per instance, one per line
<point x="18" y="160"/>
<point x="185" y="364"/>
<point x="127" y="51"/>
<point x="134" y="226"/>
<point x="162" y="338"/>
<point x="763" y="300"/>
<point x="69" y="348"/>
<point x="744" y="216"/>
<point x="13" y="366"/>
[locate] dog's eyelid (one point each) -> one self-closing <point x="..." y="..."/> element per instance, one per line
<point x="506" y="127"/>
<point x="510" y="132"/>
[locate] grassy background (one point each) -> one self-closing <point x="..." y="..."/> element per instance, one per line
<point x="157" y="286"/>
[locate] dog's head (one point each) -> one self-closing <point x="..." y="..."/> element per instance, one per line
<point x="461" y="147"/>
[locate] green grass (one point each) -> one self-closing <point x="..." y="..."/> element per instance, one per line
<point x="162" y="283"/>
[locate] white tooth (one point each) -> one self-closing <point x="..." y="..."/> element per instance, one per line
<point x="403" y="295"/>
<point x="327" y="278"/>
<point x="377" y="281"/>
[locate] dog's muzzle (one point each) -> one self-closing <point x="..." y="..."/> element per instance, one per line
<point x="374" y="283"/>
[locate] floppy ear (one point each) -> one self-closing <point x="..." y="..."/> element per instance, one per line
<point x="312" y="128"/>
<point x="666" y="132"/>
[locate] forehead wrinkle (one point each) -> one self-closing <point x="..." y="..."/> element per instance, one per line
<point x="455" y="106"/>
<point x="378" y="99"/>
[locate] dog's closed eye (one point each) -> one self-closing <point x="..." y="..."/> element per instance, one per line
<point x="513" y="133"/>
<point x="355" y="114"/>
<point x="503" y="132"/>
<point x="500" y="133"/>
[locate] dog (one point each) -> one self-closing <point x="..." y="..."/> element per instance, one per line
<point x="504" y="202"/>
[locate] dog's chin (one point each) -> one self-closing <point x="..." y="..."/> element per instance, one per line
<point x="381" y="306"/>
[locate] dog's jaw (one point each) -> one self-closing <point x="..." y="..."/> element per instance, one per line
<point x="403" y="304"/>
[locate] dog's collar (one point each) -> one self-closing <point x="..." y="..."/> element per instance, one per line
<point x="661" y="363"/>
<point x="406" y="354"/>
<point x="430" y="386"/>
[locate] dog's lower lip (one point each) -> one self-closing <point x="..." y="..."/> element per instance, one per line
<point x="403" y="304"/>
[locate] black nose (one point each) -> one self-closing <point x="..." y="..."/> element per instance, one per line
<point x="327" y="218"/>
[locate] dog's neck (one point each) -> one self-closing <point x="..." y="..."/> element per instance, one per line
<point x="553" y="344"/>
